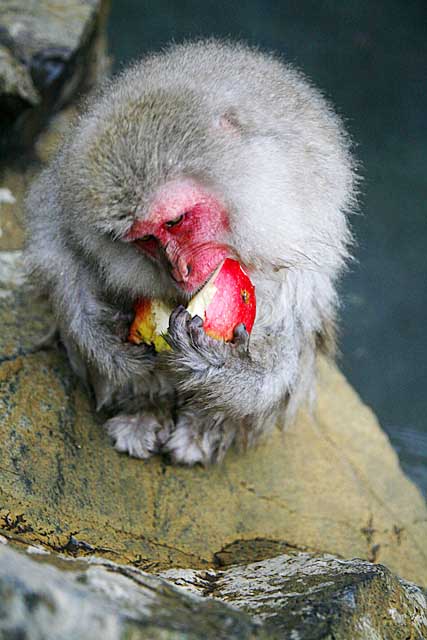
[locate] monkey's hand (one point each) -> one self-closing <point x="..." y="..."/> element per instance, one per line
<point x="187" y="336"/>
<point x="220" y="375"/>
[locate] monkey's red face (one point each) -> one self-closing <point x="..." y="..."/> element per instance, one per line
<point x="186" y="229"/>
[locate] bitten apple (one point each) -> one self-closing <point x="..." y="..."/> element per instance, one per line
<point x="226" y="300"/>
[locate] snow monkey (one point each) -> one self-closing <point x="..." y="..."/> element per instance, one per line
<point x="205" y="151"/>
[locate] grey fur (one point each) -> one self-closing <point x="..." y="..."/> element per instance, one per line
<point x="252" y="130"/>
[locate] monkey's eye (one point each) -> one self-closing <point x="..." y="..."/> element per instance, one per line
<point x="173" y="223"/>
<point x="146" y="238"/>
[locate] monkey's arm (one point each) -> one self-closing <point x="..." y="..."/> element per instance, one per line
<point x="93" y="325"/>
<point x="232" y="377"/>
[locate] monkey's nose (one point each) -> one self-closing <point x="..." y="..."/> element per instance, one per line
<point x="181" y="272"/>
<point x="184" y="268"/>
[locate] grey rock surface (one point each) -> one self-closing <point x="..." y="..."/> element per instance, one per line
<point x="41" y="602"/>
<point x="303" y="596"/>
<point x="288" y="598"/>
<point x="49" y="50"/>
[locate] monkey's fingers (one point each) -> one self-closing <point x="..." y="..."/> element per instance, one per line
<point x="139" y="352"/>
<point x="120" y="324"/>
<point x="213" y="351"/>
<point x="177" y="336"/>
<point x="132" y="360"/>
<point x="179" y="318"/>
<point x="191" y="345"/>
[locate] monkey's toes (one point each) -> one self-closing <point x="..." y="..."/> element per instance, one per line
<point x="185" y="447"/>
<point x="140" y="435"/>
<point x="199" y="439"/>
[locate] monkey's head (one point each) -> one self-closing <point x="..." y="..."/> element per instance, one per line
<point x="141" y="183"/>
<point x="160" y="185"/>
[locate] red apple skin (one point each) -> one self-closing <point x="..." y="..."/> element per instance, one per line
<point x="233" y="303"/>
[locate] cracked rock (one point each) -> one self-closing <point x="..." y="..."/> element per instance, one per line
<point x="288" y="598"/>
<point x="306" y="597"/>
<point x="41" y="602"/>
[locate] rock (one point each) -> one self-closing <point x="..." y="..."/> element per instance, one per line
<point x="291" y="598"/>
<point x="48" y="52"/>
<point x="39" y="602"/>
<point x="17" y="91"/>
<point x="12" y="193"/>
<point x="330" y="484"/>
<point x="307" y="597"/>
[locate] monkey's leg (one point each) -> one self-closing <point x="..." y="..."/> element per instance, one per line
<point x="140" y="433"/>
<point x="93" y="326"/>
<point x="204" y="436"/>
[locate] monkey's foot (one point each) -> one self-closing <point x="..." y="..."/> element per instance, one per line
<point x="140" y="435"/>
<point x="197" y="440"/>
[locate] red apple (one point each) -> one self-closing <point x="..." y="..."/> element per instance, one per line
<point x="226" y="300"/>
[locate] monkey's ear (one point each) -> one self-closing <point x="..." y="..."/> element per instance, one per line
<point x="229" y="121"/>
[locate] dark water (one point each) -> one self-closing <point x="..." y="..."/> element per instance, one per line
<point x="370" y="58"/>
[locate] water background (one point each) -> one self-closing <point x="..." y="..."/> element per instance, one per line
<point x="370" y="59"/>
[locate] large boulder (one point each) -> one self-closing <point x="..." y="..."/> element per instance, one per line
<point x="286" y="598"/>
<point x="302" y="597"/>
<point x="331" y="483"/>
